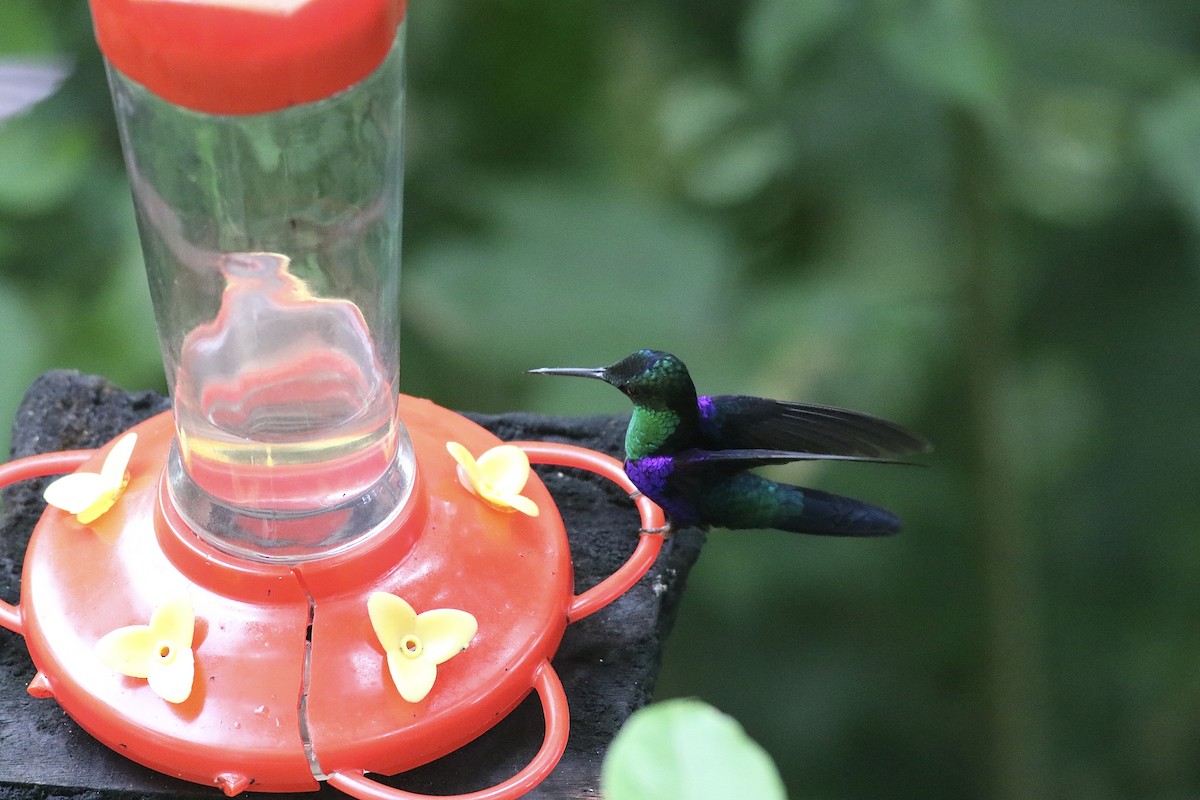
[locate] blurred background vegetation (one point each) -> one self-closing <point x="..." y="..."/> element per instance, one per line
<point x="978" y="217"/>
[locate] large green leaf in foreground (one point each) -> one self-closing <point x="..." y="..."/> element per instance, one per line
<point x="687" y="750"/>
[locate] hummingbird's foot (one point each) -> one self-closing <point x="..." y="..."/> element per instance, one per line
<point x="664" y="531"/>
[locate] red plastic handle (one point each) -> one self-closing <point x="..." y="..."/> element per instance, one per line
<point x="558" y="723"/>
<point x="24" y="469"/>
<point x="653" y="522"/>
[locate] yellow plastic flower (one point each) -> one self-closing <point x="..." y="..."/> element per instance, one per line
<point x="417" y="643"/>
<point x="497" y="477"/>
<point x="161" y="652"/>
<point x="87" y="495"/>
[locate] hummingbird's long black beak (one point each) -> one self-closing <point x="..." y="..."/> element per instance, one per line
<point x="578" y="372"/>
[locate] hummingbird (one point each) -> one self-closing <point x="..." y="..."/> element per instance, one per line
<point x="693" y="454"/>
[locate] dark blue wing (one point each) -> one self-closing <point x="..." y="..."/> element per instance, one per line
<point x="740" y="422"/>
<point x="734" y="460"/>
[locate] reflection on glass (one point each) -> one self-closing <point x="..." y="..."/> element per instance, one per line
<point x="281" y="401"/>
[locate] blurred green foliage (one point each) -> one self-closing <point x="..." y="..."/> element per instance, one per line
<point x="978" y="218"/>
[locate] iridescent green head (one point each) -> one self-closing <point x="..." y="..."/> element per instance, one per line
<point x="650" y="378"/>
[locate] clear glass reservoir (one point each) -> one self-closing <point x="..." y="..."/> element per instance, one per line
<point x="272" y="247"/>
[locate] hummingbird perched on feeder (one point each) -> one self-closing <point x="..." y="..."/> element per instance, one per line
<point x="692" y="455"/>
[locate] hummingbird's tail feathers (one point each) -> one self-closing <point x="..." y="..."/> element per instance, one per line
<point x="746" y="500"/>
<point x="825" y="514"/>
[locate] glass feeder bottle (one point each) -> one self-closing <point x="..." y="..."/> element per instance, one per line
<point x="268" y="204"/>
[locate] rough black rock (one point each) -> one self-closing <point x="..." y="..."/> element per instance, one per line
<point x="608" y="662"/>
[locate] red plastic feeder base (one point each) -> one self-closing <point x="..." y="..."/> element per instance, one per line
<point x="291" y="684"/>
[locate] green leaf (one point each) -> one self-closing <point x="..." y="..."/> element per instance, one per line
<point x="43" y="163"/>
<point x="696" y="110"/>
<point x="777" y="34"/>
<point x="1067" y="153"/>
<point x="687" y="750"/>
<point x="739" y="166"/>
<point x="710" y="133"/>
<point x="942" y="47"/>
<point x="1170" y="137"/>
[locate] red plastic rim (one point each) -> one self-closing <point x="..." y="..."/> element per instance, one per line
<point x="246" y="56"/>
<point x="269" y="635"/>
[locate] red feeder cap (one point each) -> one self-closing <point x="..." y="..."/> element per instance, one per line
<point x="246" y="56"/>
